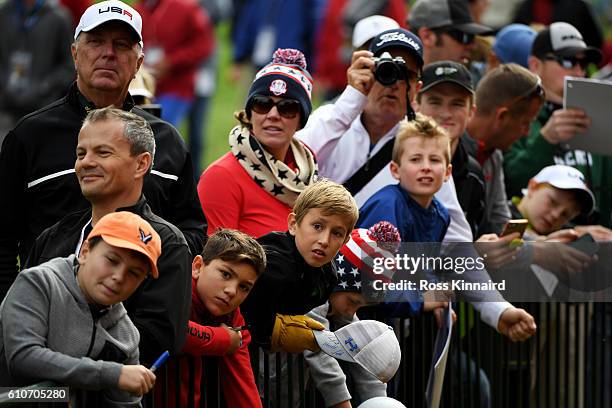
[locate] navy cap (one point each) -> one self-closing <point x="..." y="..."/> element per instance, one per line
<point x="398" y="38"/>
<point x="446" y="71"/>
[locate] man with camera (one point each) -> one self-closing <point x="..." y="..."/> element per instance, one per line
<point x="353" y="138"/>
<point x="446" y="28"/>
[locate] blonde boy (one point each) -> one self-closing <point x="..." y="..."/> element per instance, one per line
<point x="421" y="163"/>
<point x="299" y="275"/>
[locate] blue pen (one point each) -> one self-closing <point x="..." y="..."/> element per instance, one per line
<point x="160" y="361"/>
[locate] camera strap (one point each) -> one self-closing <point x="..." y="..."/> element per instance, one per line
<point x="370" y="169"/>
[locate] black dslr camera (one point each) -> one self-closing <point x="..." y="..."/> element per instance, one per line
<point x="389" y="70"/>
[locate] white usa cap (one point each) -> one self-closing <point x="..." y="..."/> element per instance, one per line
<point x="369" y="343"/>
<point x="111" y="10"/>
<point x="369" y="27"/>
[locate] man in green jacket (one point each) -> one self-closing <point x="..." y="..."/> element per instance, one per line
<point x="557" y="52"/>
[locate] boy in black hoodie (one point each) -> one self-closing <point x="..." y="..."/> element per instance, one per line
<point x="300" y="275"/>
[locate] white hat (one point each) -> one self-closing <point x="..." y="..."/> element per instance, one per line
<point x="369" y="27"/>
<point x="110" y="10"/>
<point x="567" y="178"/>
<point x="381" y="402"/>
<point x="369" y="343"/>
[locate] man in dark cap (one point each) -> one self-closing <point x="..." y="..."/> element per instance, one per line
<point x="446" y="28"/>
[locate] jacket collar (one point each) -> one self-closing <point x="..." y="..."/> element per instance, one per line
<point x="77" y="100"/>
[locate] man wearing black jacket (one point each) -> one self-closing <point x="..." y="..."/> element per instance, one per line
<point x="114" y="154"/>
<point x="37" y="182"/>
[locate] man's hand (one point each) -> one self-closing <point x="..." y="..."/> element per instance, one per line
<point x="136" y="379"/>
<point x="235" y="338"/>
<point x="360" y="74"/>
<point x="599" y="232"/>
<point x="497" y="251"/>
<point x="516" y="324"/>
<point x="293" y="334"/>
<point x="564" y="124"/>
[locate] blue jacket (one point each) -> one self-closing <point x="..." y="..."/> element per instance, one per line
<point x="415" y="223"/>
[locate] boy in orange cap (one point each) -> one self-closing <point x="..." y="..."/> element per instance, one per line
<point x="64" y="321"/>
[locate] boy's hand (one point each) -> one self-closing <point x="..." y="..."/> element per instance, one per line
<point x="497" y="251"/>
<point x="235" y="338"/>
<point x="136" y="379"/>
<point x="516" y="324"/>
<point x="293" y="334"/>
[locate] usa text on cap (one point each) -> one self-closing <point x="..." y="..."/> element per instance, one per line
<point x="111" y="10"/>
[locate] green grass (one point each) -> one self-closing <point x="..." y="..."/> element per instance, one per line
<point x="228" y="98"/>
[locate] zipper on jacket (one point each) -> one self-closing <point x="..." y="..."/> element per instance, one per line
<point x="93" y="338"/>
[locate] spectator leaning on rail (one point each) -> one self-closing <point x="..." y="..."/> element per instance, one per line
<point x="64" y="321"/>
<point x="37" y="182"/>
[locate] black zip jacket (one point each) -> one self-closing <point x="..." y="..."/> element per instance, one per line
<point x="288" y="286"/>
<point x="470" y="184"/>
<point x="160" y="307"/>
<point x="38" y="186"/>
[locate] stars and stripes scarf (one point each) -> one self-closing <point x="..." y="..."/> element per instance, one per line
<point x="274" y="176"/>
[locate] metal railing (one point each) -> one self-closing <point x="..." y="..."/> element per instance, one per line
<point x="568" y="363"/>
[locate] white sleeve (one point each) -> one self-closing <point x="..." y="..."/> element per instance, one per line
<point x="459" y="229"/>
<point x="490" y="312"/>
<point x="327" y="124"/>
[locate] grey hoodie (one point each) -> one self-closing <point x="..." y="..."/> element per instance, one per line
<point x="49" y="332"/>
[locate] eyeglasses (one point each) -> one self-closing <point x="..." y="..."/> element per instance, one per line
<point x="287" y="108"/>
<point x="535" y="91"/>
<point x="568" y="62"/>
<point x="457" y="35"/>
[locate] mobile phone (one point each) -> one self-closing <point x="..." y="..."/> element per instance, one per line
<point x="513" y="226"/>
<point x="586" y="244"/>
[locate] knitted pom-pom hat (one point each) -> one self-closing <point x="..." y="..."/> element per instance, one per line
<point x="286" y="77"/>
<point x="356" y="257"/>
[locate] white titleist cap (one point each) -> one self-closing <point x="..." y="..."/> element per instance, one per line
<point x="106" y="11"/>
<point x="369" y="343"/>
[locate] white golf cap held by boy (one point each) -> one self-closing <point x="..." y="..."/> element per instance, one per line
<point x="369" y="343"/>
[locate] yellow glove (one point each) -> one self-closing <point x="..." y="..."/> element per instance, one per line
<point x="293" y="334"/>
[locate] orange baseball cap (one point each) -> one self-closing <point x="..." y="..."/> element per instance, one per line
<point x="128" y="230"/>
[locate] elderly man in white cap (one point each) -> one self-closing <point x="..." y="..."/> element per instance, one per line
<point x="37" y="181"/>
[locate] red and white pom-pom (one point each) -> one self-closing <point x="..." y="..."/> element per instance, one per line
<point x="386" y="235"/>
<point x="289" y="56"/>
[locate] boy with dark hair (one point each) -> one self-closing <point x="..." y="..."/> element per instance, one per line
<point x="300" y="275"/>
<point x="64" y="321"/>
<point x="223" y="275"/>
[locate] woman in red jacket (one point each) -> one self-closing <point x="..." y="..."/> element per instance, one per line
<point x="253" y="187"/>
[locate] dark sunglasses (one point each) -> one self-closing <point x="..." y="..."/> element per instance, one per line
<point x="457" y="35"/>
<point x="287" y="108"/>
<point x="535" y="91"/>
<point x="568" y="62"/>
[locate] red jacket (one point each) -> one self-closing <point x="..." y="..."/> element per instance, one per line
<point x="231" y="199"/>
<point x="182" y="29"/>
<point x="236" y="375"/>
